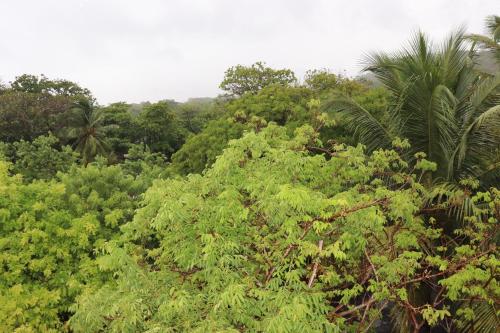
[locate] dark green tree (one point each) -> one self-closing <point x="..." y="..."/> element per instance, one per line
<point x="123" y="130"/>
<point x="87" y="131"/>
<point x="200" y="150"/>
<point x="196" y="112"/>
<point x="43" y="85"/>
<point x="159" y="128"/>
<point x="33" y="106"/>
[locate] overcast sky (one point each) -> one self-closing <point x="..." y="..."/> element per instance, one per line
<point x="138" y="50"/>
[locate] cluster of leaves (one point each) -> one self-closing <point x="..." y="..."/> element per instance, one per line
<point x="49" y="232"/>
<point x="40" y="159"/>
<point x="201" y="150"/>
<point x="274" y="239"/>
<point x="240" y="80"/>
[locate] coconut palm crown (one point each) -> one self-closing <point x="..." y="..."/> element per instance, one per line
<point x="87" y="130"/>
<point x="440" y="102"/>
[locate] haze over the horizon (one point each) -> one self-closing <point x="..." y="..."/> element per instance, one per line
<point x="124" y="50"/>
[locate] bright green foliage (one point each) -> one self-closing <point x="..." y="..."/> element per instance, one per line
<point x="323" y="83"/>
<point x="288" y="106"/>
<point x="48" y="234"/>
<point x="239" y="79"/>
<point x="144" y="165"/>
<point x="272" y="239"/>
<point x="41" y="159"/>
<point x="280" y="104"/>
<point x="321" y="80"/>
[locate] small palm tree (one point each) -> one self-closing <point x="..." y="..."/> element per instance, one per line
<point x="440" y="103"/>
<point x="87" y="130"/>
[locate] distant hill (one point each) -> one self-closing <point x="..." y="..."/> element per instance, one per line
<point x="200" y="100"/>
<point x="136" y="108"/>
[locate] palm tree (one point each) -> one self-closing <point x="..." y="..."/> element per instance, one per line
<point x="87" y="130"/>
<point x="440" y="103"/>
<point x="492" y="40"/>
<point x="447" y="109"/>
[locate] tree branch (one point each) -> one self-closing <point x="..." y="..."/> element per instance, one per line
<point x="342" y="213"/>
<point x="316" y="264"/>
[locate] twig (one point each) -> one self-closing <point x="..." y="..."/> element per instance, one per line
<point x="354" y="309"/>
<point x="316" y="264"/>
<point x="371" y="264"/>
<point x="363" y="318"/>
<point x="373" y="320"/>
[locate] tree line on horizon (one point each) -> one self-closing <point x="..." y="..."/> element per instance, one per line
<point x="328" y="204"/>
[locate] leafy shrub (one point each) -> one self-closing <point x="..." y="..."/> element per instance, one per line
<point x="49" y="232"/>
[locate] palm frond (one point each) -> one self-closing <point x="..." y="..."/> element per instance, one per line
<point x="486" y="319"/>
<point x="492" y="23"/>
<point x="487" y="42"/>
<point x="361" y="122"/>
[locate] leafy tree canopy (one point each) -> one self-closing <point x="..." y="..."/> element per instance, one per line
<point x="43" y="85"/>
<point x="200" y="151"/>
<point x="33" y="106"/>
<point x="122" y="129"/>
<point x="40" y="159"/>
<point x="49" y="233"/>
<point x="160" y="128"/>
<point x="240" y="79"/>
<point x="272" y="239"/>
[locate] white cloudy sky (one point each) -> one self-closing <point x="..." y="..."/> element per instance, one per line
<point x="138" y="50"/>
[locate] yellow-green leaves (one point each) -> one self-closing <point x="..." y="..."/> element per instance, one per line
<point x="432" y="315"/>
<point x="49" y="234"/>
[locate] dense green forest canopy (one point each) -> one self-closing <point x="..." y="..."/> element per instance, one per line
<point x="322" y="204"/>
